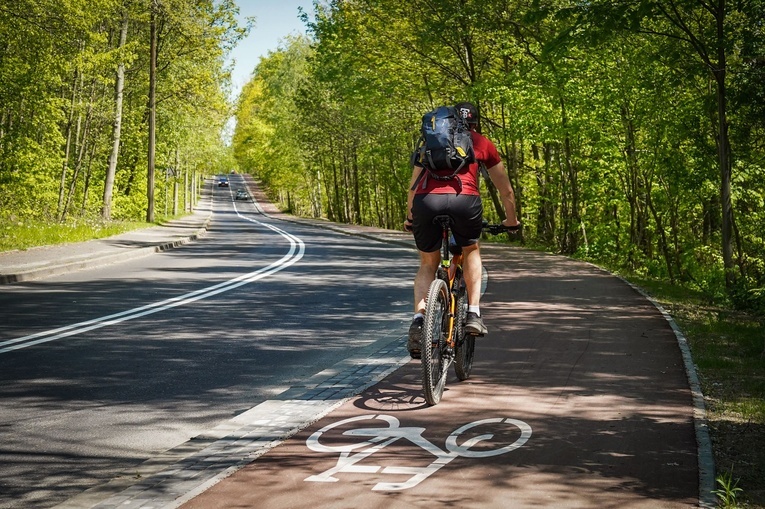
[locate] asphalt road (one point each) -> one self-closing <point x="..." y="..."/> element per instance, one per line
<point x="163" y="348"/>
<point x="264" y="367"/>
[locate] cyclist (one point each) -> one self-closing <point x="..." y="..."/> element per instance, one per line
<point x="461" y="199"/>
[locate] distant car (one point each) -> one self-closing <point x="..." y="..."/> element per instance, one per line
<point x="242" y="195"/>
<point x="223" y="182"/>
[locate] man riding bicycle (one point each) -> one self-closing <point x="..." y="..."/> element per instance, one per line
<point x="460" y="198"/>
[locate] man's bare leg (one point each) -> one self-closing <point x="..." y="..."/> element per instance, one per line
<point x="471" y="268"/>
<point x="425" y="275"/>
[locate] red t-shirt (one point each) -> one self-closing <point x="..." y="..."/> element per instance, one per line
<point x="485" y="152"/>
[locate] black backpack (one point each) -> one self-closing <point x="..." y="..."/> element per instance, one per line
<point x="446" y="144"/>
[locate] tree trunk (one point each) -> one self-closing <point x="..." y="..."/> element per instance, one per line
<point x="68" y="137"/>
<point x="152" y="115"/>
<point x="663" y="243"/>
<point x="88" y="174"/>
<point x="81" y="143"/>
<point x="188" y="205"/>
<point x="119" y="87"/>
<point x="723" y="150"/>
<point x="175" y="185"/>
<point x="357" y="215"/>
<point x="570" y="217"/>
<point x="546" y="188"/>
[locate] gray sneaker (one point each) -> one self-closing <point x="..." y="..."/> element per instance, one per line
<point x="415" y="333"/>
<point x="474" y="325"/>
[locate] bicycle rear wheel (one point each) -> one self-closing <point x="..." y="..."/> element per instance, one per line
<point x="464" y="344"/>
<point x="433" y="342"/>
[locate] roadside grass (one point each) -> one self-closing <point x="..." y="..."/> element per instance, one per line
<point x="728" y="349"/>
<point x="26" y="234"/>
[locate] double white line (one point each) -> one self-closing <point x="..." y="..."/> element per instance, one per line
<point x="296" y="252"/>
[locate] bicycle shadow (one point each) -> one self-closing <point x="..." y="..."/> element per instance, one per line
<point x="399" y="393"/>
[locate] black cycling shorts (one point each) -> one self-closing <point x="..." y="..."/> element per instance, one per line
<point x="466" y="211"/>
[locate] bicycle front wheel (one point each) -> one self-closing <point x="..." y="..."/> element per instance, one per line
<point x="433" y="342"/>
<point x="464" y="343"/>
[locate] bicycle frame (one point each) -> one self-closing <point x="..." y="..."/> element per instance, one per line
<point x="449" y="267"/>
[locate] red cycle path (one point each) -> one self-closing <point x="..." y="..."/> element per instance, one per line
<point x="588" y="363"/>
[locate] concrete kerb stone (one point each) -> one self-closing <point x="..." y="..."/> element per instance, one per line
<point x="104" y="258"/>
<point x="65" y="268"/>
<point x="100" y="259"/>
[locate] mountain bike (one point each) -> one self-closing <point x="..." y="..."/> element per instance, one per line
<point x="444" y="340"/>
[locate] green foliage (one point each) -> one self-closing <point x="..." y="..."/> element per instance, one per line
<point x="58" y="64"/>
<point x="606" y="118"/>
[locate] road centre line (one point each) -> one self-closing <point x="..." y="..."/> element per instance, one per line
<point x="296" y="252"/>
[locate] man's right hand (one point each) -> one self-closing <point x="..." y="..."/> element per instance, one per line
<point x="408" y="225"/>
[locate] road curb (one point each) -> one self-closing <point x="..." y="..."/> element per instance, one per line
<point x="91" y="261"/>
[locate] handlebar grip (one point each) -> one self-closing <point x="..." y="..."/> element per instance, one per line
<point x="496" y="229"/>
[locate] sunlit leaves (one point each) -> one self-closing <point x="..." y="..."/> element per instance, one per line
<point x="58" y="62"/>
<point x="606" y="116"/>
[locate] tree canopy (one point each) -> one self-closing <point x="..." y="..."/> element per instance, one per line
<point x="632" y="132"/>
<point x="74" y="103"/>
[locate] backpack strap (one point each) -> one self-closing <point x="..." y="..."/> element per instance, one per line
<point x="416" y="160"/>
<point x="419" y="177"/>
<point x="423" y="176"/>
<point x="482" y="171"/>
<point x="447" y="177"/>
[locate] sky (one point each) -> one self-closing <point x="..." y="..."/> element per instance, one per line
<point x="274" y="19"/>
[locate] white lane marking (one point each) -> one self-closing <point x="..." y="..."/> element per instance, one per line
<point x="296" y="252"/>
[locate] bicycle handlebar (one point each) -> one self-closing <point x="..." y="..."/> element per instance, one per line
<point x="496" y="229"/>
<point x="493" y="229"/>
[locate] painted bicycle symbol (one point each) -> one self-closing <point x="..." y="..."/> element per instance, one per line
<point x="381" y="437"/>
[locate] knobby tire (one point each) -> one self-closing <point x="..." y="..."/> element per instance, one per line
<point x="464" y="343"/>
<point x="433" y="341"/>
